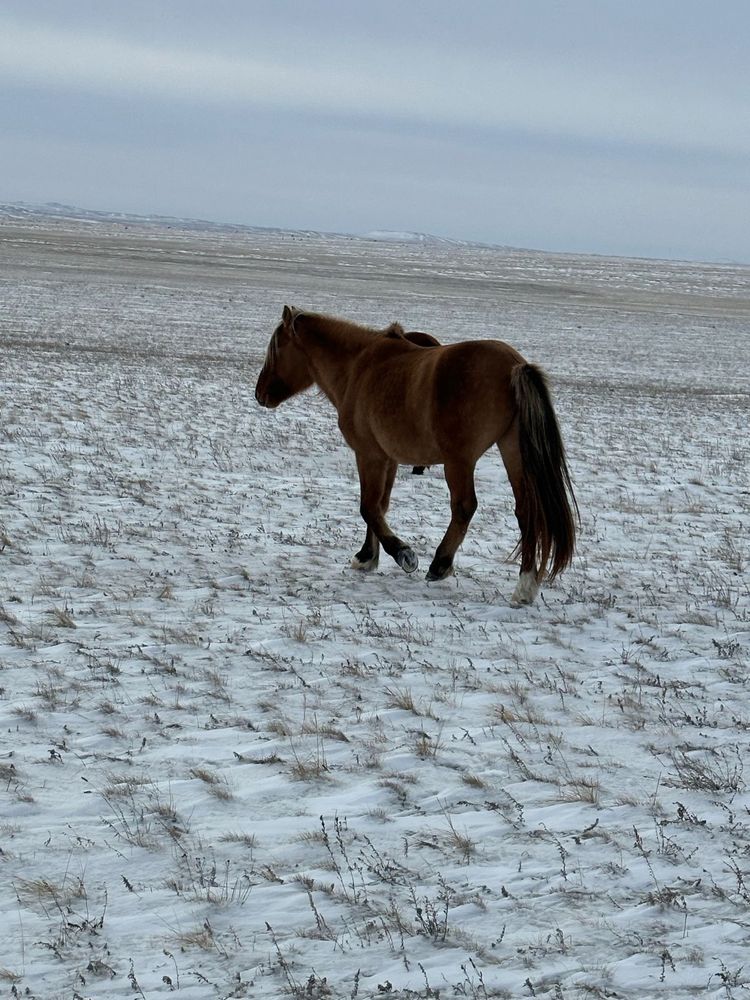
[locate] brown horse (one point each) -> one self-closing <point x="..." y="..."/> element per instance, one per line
<point x="399" y="402"/>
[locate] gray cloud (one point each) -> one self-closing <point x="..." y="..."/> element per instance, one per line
<point x="581" y="126"/>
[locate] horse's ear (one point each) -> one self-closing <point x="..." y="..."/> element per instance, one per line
<point x="289" y="316"/>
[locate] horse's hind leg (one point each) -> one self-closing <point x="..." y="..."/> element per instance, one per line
<point x="460" y="479"/>
<point x="376" y="478"/>
<point x="528" y="580"/>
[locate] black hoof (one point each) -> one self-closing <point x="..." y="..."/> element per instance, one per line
<point x="407" y="559"/>
<point x="439" y="569"/>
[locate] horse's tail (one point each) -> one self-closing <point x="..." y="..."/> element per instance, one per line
<point x="551" y="508"/>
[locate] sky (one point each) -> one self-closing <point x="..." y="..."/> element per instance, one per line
<point x="581" y="125"/>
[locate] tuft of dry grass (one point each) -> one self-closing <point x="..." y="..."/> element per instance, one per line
<point x="460" y="842"/>
<point x="248" y="840"/>
<point x="580" y="789"/>
<point x="43" y="891"/>
<point x="63" y="617"/>
<point x="217" y="785"/>
<point x="7" y="617"/>
<point x="474" y="780"/>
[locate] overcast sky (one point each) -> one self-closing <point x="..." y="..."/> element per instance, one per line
<point x="593" y="125"/>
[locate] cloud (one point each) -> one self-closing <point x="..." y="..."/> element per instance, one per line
<point x="588" y="125"/>
<point x="525" y="92"/>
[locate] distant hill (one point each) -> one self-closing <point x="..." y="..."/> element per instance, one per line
<point x="395" y="236"/>
<point x="56" y="210"/>
<point x="53" y="209"/>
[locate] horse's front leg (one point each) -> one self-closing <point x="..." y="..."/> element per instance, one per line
<point x="376" y="476"/>
<point x="368" y="556"/>
<point x="460" y="479"/>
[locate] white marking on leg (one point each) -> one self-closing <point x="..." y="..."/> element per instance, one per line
<point x="526" y="589"/>
<point x="365" y="567"/>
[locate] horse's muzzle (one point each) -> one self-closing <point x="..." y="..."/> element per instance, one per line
<point x="265" y="401"/>
<point x="271" y="391"/>
<point x="261" y="395"/>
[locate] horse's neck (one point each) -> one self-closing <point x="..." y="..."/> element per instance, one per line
<point x="332" y="348"/>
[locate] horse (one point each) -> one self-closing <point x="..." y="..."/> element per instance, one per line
<point x="401" y="402"/>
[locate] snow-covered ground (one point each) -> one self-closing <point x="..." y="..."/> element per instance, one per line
<point x="230" y="766"/>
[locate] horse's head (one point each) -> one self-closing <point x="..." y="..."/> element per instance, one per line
<point x="285" y="371"/>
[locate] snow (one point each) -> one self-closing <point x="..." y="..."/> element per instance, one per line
<point x="232" y="766"/>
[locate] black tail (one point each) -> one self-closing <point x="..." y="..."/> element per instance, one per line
<point x="551" y="503"/>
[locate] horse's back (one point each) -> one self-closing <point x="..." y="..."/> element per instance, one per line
<point x="396" y="367"/>
<point x="422" y="339"/>
<point x="423" y="405"/>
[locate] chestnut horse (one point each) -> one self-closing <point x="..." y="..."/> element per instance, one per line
<point x="404" y="401"/>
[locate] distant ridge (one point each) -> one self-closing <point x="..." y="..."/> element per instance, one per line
<point x="53" y="209"/>
<point x="395" y="236"/>
<point x="56" y="210"/>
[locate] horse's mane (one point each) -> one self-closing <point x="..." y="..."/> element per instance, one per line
<point x="343" y="329"/>
<point x="395" y="330"/>
<point x="337" y="329"/>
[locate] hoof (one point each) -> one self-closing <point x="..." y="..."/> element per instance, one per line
<point x="407" y="559"/>
<point x="365" y="565"/>
<point x="526" y="590"/>
<point x="439" y="571"/>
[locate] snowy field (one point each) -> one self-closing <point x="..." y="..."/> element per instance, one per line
<point x="230" y="766"/>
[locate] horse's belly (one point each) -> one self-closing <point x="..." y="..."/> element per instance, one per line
<point x="406" y="442"/>
<point x="415" y="456"/>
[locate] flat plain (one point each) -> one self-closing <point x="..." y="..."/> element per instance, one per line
<point x="231" y="766"/>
